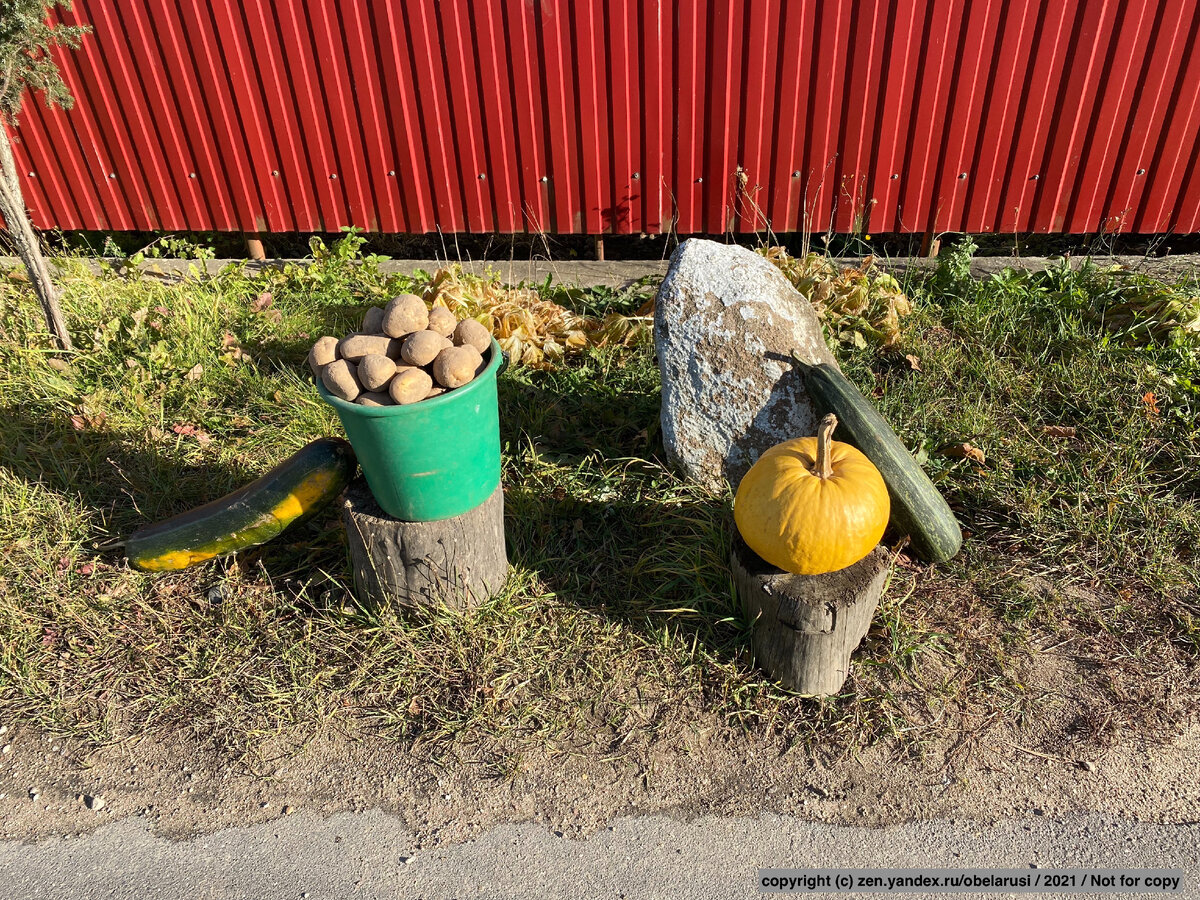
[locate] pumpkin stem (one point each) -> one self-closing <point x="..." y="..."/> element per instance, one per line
<point x="824" y="468"/>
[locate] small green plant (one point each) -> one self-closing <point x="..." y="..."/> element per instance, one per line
<point x="952" y="275"/>
<point x="176" y="247"/>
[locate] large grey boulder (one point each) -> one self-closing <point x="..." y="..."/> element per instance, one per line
<point x="726" y="322"/>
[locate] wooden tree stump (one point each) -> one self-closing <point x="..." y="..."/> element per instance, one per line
<point x="458" y="562"/>
<point x="806" y="626"/>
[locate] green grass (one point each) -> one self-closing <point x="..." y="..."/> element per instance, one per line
<point x="618" y="623"/>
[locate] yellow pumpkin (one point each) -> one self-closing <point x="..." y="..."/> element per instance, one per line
<point x="812" y="505"/>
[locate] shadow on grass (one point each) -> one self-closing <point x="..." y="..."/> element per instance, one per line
<point x="615" y="415"/>
<point x="127" y="486"/>
<point x="602" y="522"/>
<point x="658" y="567"/>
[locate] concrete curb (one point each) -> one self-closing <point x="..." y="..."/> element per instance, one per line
<point x="620" y="273"/>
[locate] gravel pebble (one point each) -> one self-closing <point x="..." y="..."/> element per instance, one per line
<point x="94" y="803"/>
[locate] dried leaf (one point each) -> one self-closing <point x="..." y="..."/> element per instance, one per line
<point x="262" y="301"/>
<point x="186" y="430"/>
<point x="532" y="330"/>
<point x="1059" y="431"/>
<point x="965" y="451"/>
<point x="236" y="353"/>
<point x="914" y="362"/>
<point x="1151" y="403"/>
<point x="195" y="373"/>
<point x="84" y="420"/>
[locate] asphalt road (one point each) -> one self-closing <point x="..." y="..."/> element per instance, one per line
<point x="371" y="855"/>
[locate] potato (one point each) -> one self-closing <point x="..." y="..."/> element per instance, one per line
<point x="323" y="352"/>
<point x="374" y="398"/>
<point x="355" y="346"/>
<point x="375" y="371"/>
<point x="435" y="391"/>
<point x="410" y="386"/>
<point x="420" y="348"/>
<point x="470" y="333"/>
<point x="404" y="315"/>
<point x="455" y="366"/>
<point x="340" y="377"/>
<point x="442" y="321"/>
<point x="373" y="321"/>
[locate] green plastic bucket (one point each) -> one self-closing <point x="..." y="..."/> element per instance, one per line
<point x="433" y="459"/>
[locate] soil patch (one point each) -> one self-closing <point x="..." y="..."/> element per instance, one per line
<point x="988" y="771"/>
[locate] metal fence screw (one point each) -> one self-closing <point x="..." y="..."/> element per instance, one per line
<point x="1141" y="171"/>
<point x="962" y="174"/>
<point x="391" y="173"/>
<point x="637" y="176"/>
<point x="482" y="176"/>
<point x="796" y="174"/>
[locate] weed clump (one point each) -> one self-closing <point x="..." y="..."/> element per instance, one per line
<point x="861" y="305"/>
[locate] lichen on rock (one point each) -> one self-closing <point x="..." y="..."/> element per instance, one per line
<point x="726" y="324"/>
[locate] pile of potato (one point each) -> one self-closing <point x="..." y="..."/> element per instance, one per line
<point x="405" y="353"/>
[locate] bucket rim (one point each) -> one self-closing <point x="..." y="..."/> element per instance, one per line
<point x="358" y="409"/>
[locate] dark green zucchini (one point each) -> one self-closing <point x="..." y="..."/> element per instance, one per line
<point x="249" y="516"/>
<point x="918" y="510"/>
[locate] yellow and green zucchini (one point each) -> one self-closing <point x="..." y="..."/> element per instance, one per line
<point x="918" y="509"/>
<point x="249" y="516"/>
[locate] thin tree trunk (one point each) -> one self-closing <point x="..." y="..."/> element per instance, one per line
<point x="29" y="248"/>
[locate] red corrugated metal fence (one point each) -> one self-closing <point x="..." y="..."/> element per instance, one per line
<point x="624" y="116"/>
